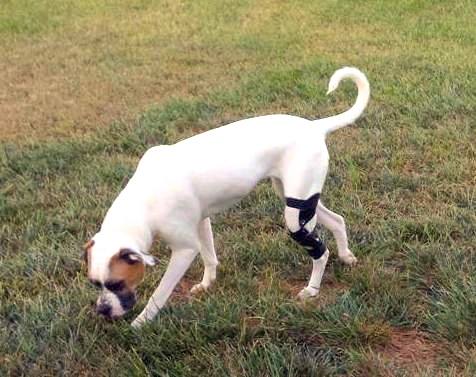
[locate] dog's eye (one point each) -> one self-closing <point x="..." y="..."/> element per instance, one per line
<point x="96" y="283"/>
<point x="115" y="286"/>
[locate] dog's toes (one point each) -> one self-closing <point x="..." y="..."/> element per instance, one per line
<point x="307" y="293"/>
<point x="349" y="259"/>
<point x="198" y="288"/>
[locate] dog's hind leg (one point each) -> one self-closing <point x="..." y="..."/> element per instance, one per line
<point x="302" y="233"/>
<point x="208" y="255"/>
<point x="318" y="267"/>
<point x="335" y="223"/>
<point x="303" y="180"/>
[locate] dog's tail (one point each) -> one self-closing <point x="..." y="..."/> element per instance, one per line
<point x="335" y="122"/>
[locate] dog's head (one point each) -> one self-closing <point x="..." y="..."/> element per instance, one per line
<point x="116" y="269"/>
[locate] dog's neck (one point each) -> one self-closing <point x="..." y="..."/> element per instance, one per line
<point x="128" y="223"/>
<point x="132" y="234"/>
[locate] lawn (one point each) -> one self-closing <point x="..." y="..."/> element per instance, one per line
<point x="87" y="86"/>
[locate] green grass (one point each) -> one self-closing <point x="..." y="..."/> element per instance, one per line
<point x="403" y="177"/>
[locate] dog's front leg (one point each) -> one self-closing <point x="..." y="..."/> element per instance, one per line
<point x="209" y="257"/>
<point x="180" y="261"/>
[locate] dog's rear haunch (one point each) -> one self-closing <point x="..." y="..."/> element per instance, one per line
<point x="176" y="188"/>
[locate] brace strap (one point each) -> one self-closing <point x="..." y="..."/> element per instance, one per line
<point x="314" y="246"/>
<point x="303" y="203"/>
<point x="306" y="207"/>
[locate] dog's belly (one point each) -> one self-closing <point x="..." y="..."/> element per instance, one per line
<point x="218" y="207"/>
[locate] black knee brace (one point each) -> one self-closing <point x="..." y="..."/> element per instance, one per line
<point x="307" y="209"/>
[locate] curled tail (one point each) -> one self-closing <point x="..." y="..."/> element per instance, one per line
<point x="335" y="122"/>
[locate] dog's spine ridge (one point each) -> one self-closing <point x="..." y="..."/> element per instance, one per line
<point x="335" y="122"/>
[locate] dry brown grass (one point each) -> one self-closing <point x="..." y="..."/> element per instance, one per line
<point x="53" y="88"/>
<point x="111" y="61"/>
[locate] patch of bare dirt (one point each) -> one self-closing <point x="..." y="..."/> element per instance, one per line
<point x="409" y="348"/>
<point x="407" y="352"/>
<point x="181" y="292"/>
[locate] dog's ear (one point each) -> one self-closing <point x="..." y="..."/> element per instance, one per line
<point x="86" y="248"/>
<point x="129" y="256"/>
<point x="132" y="257"/>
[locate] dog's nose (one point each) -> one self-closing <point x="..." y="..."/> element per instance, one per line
<point x="104" y="309"/>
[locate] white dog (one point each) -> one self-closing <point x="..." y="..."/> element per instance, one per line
<point x="176" y="189"/>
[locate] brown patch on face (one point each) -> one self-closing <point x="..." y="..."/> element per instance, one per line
<point x="120" y="270"/>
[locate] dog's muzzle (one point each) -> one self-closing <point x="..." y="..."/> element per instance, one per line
<point x="127" y="300"/>
<point x="114" y="305"/>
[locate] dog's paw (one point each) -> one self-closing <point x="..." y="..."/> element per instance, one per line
<point x="348" y="258"/>
<point x="307" y="293"/>
<point x="198" y="288"/>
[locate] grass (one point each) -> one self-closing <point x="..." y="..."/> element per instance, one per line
<point x="88" y="86"/>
